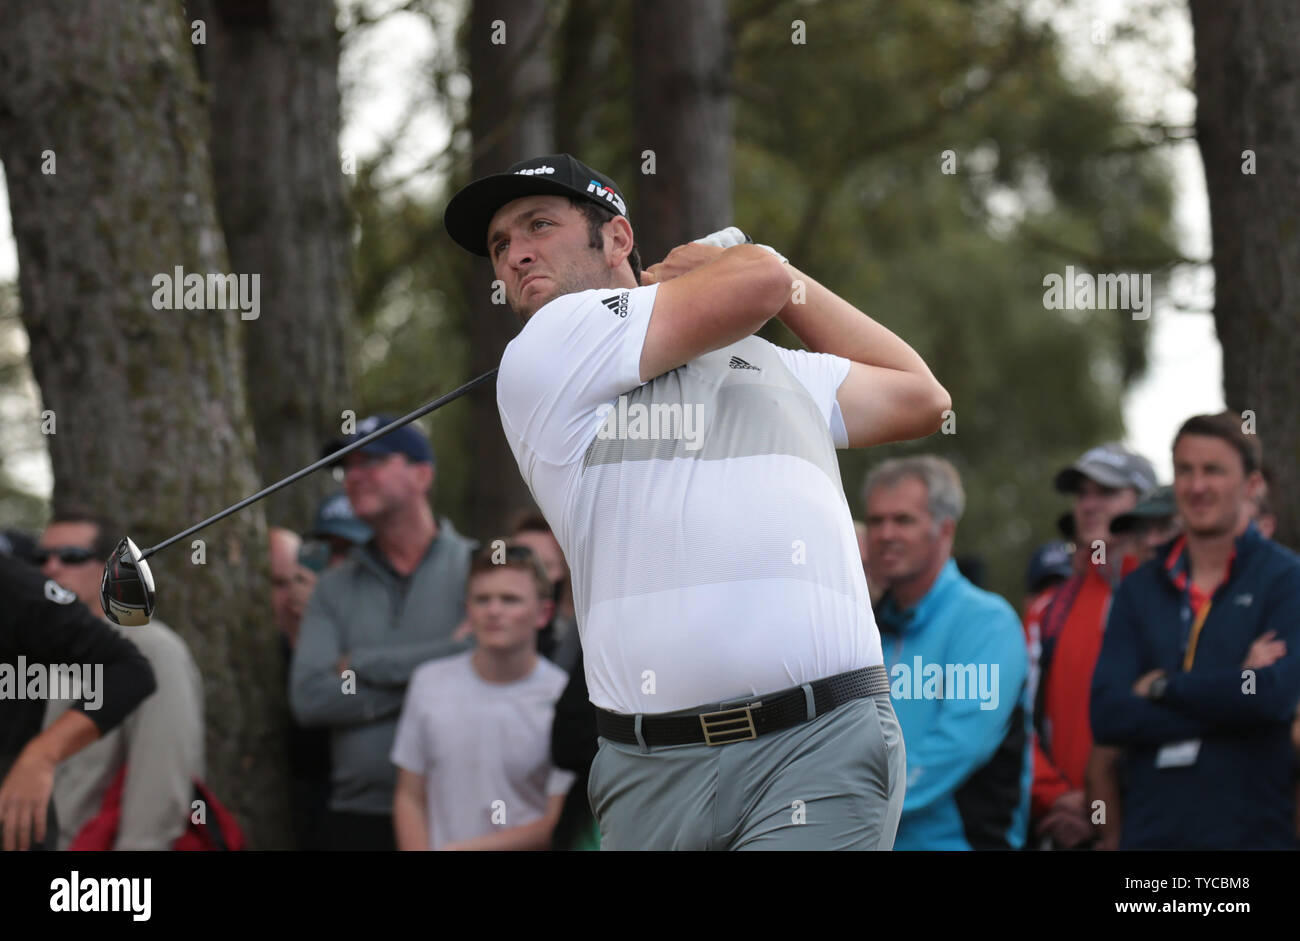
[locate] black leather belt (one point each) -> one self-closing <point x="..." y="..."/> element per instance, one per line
<point x="750" y="719"/>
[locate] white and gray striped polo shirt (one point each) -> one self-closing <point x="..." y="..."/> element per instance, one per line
<point x="701" y="513"/>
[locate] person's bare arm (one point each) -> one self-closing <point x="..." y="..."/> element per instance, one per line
<point x="410" y="819"/>
<point x="890" y="393"/>
<point x="1101" y="783"/>
<point x="529" y="836"/>
<point x="708" y="298"/>
<point x="25" y="793"/>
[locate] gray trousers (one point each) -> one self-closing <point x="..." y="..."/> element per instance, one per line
<point x="835" y="782"/>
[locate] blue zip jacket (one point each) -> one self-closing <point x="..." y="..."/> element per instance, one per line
<point x="1239" y="791"/>
<point x="957" y="667"/>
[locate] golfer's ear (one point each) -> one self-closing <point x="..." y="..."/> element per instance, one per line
<point x="618" y="240"/>
<point x="716" y="304"/>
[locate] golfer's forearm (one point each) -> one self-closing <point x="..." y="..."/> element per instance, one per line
<point x="826" y="323"/>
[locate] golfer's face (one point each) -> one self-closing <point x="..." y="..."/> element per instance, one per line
<point x="539" y="249"/>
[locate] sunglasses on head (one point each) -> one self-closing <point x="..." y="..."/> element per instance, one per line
<point x="68" y="555"/>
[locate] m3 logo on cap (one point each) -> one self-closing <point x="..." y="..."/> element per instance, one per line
<point x="535" y="170"/>
<point x="600" y="189"/>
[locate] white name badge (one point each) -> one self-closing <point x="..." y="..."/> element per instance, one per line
<point x="1178" y="754"/>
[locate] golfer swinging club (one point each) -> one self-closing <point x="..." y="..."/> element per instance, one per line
<point x="688" y="470"/>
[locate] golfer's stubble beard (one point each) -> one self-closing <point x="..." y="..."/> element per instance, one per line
<point x="584" y="272"/>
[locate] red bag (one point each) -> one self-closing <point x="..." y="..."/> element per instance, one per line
<point x="220" y="832"/>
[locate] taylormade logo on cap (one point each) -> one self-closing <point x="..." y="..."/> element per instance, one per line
<point x="534" y="170"/>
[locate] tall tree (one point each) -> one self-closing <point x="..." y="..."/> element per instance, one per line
<point x="103" y="137"/>
<point x="511" y="118"/>
<point x="1248" y="129"/>
<point x="272" y="70"/>
<point x="681" y="63"/>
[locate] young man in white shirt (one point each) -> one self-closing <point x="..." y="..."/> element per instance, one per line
<point x="473" y="743"/>
<point x="688" y="471"/>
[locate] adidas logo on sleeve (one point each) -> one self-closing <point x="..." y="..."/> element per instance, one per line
<point x="617" y="303"/>
<point x="738" y="363"/>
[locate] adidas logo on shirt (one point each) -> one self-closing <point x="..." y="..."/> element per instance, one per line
<point x="617" y="304"/>
<point x="738" y="363"/>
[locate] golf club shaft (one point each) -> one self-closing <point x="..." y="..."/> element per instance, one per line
<point x="325" y="461"/>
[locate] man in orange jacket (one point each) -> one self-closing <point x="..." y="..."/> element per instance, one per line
<point x="1105" y="482"/>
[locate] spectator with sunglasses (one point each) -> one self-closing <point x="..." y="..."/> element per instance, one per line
<point x="161" y="743"/>
<point x="43" y="623"/>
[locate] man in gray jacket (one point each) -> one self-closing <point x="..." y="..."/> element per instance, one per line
<point x="371" y="621"/>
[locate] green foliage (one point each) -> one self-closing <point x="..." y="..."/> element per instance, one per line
<point x="839" y="163"/>
<point x="410" y="300"/>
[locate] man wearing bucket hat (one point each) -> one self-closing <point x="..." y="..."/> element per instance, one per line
<point x="720" y="596"/>
<point x="1106" y="481"/>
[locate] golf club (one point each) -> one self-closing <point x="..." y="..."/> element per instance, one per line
<point x="127" y="590"/>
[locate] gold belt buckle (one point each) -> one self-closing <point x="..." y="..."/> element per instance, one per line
<point x="729" y="725"/>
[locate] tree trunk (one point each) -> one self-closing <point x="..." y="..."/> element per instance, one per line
<point x="510" y="120"/>
<point x="272" y="70"/>
<point x="1248" y="99"/>
<point x="681" y="62"/>
<point x="104" y="141"/>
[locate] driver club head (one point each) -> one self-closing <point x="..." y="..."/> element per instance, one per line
<point x="126" y="593"/>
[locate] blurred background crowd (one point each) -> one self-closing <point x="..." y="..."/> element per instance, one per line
<point x="438" y="696"/>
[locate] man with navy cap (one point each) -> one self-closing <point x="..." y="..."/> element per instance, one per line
<point x="688" y="470"/>
<point x="392" y="605"/>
